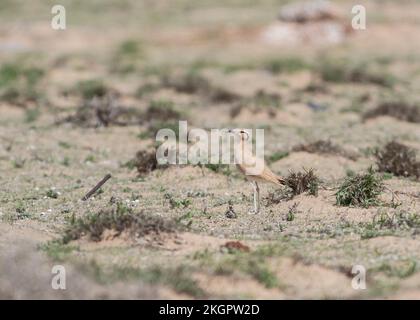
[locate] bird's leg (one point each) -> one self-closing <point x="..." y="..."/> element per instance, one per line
<point x="255" y="188"/>
<point x="257" y="205"/>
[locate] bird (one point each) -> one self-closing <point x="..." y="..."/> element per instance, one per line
<point x="255" y="169"/>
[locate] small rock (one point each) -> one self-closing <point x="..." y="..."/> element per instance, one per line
<point x="230" y="213"/>
<point x="232" y="246"/>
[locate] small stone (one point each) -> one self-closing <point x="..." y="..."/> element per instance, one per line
<point x="233" y="246"/>
<point x="230" y="213"/>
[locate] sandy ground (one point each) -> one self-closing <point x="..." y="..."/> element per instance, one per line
<point x="310" y="256"/>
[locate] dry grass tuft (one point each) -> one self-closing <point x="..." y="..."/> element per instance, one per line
<point x="259" y="102"/>
<point x="398" y="159"/>
<point x="324" y="147"/>
<point x="103" y="112"/>
<point x="194" y="83"/>
<point x="145" y="162"/>
<point x="300" y="182"/>
<point x="20" y="83"/>
<point x="162" y="110"/>
<point x="397" y="110"/>
<point x="297" y="183"/>
<point x="341" y="71"/>
<point x="277" y="196"/>
<point x="190" y="82"/>
<point x="119" y="218"/>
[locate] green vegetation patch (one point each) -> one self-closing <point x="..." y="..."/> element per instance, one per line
<point x="19" y="83"/>
<point x="384" y="224"/>
<point x="89" y="89"/>
<point x="286" y="65"/>
<point x="343" y="71"/>
<point x="119" y="218"/>
<point x="324" y="147"/>
<point x="360" y="190"/>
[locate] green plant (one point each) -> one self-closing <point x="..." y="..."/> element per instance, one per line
<point x="286" y="64"/>
<point x="262" y="274"/>
<point x="90" y="158"/>
<point x="155" y="126"/>
<point x="118" y="218"/>
<point x="20" y="213"/>
<point x="127" y="56"/>
<point x="179" y="203"/>
<point x="19" y="82"/>
<point x="66" y="161"/>
<point x="191" y="82"/>
<point x="51" y="193"/>
<point x="129" y="48"/>
<point x="20" y="207"/>
<point x="249" y="263"/>
<point x="57" y="250"/>
<point x="146" y="89"/>
<point x="219" y="168"/>
<point x="262" y="99"/>
<point x="400" y="269"/>
<point x="360" y="190"/>
<point x="91" y="88"/>
<point x="398" y="221"/>
<point x="64" y="145"/>
<point x="32" y="114"/>
<point x="277" y="156"/>
<point x="341" y="70"/>
<point x="162" y="110"/>
<point x="291" y="213"/>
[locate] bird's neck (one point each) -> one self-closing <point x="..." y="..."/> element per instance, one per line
<point x="242" y="153"/>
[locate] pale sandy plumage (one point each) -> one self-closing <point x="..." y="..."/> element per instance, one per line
<point x="254" y="169"/>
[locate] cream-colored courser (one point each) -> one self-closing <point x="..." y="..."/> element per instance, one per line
<point x="254" y="169"/>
